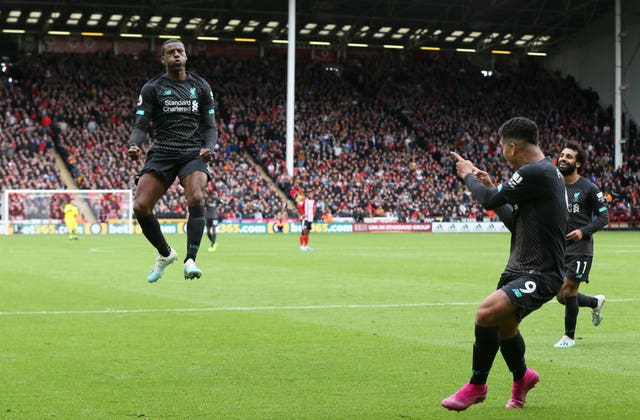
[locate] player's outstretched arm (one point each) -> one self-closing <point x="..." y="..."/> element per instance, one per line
<point x="482" y="188"/>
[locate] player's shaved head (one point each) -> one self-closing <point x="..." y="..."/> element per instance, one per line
<point x="169" y="41"/>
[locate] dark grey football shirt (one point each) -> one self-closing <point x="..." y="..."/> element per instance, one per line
<point x="182" y="113"/>
<point x="587" y="212"/>
<point x="211" y="211"/>
<point x="538" y="219"/>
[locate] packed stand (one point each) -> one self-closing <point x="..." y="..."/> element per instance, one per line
<point x="90" y="102"/>
<point x="372" y="137"/>
<point x="26" y="152"/>
<point x="26" y="157"/>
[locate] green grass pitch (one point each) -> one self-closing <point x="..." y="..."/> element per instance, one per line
<point x="367" y="326"/>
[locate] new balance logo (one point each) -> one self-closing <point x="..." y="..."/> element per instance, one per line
<point x="515" y="180"/>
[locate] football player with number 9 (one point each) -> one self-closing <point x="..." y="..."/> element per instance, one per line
<point x="533" y="206"/>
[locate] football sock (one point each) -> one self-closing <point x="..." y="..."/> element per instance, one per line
<point x="513" y="354"/>
<point x="151" y="229"/>
<point x="570" y="315"/>
<point x="301" y="240"/>
<point x="587" y="301"/>
<point x="195" y="226"/>
<point x="485" y="349"/>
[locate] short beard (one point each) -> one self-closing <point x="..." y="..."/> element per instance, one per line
<point x="568" y="170"/>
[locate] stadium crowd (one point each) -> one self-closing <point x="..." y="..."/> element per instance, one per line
<point x="26" y="161"/>
<point x="372" y="136"/>
<point x="90" y="116"/>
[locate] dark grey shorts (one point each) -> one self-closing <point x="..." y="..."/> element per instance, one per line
<point x="577" y="267"/>
<point x="169" y="165"/>
<point x="529" y="291"/>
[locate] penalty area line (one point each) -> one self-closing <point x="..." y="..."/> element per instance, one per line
<point x="258" y="308"/>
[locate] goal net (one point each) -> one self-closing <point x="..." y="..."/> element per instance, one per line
<point x="34" y="212"/>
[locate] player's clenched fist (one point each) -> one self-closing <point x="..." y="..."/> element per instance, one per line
<point x="205" y="154"/>
<point x="133" y="152"/>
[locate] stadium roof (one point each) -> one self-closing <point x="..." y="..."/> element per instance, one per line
<point x="477" y="24"/>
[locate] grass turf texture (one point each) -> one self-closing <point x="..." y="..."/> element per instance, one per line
<point x="372" y="326"/>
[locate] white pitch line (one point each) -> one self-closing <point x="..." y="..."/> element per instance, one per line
<point x="236" y="309"/>
<point x="257" y="308"/>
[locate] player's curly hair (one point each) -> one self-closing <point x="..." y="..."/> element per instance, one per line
<point x="520" y="128"/>
<point x="581" y="154"/>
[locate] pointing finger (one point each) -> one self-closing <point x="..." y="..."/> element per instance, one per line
<point x="457" y="156"/>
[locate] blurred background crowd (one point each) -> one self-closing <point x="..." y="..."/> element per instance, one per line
<point x="372" y="136"/>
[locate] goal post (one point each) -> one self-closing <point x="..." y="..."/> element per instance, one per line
<point x="34" y="212"/>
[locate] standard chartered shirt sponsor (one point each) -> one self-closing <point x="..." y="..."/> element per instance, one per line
<point x="185" y="105"/>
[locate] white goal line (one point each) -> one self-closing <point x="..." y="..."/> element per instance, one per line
<point x="257" y="308"/>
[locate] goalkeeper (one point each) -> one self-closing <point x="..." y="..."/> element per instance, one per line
<point x="70" y="214"/>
